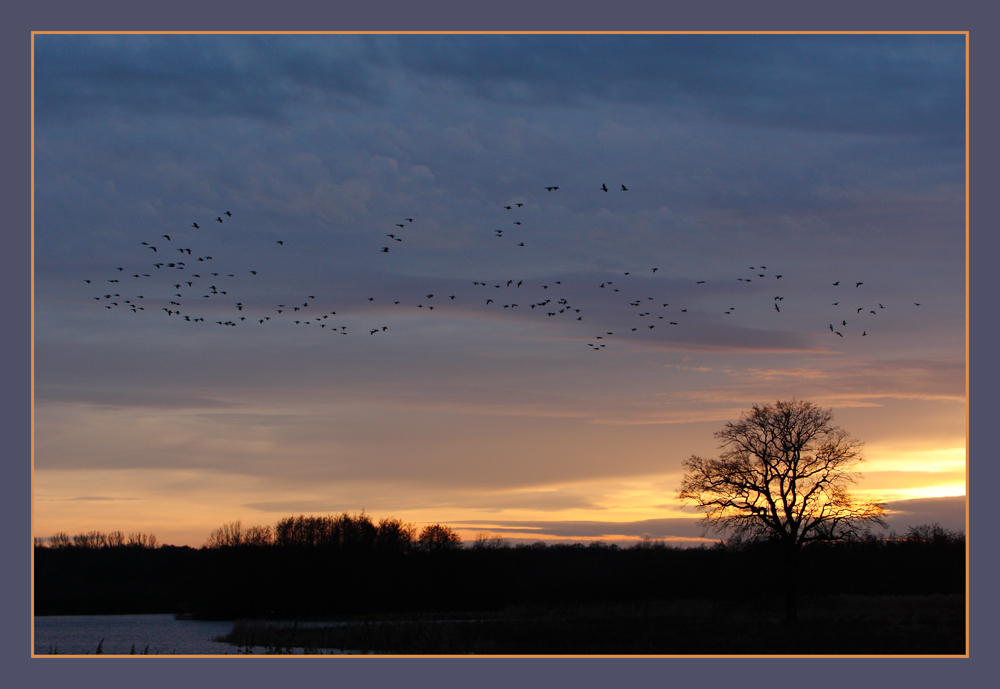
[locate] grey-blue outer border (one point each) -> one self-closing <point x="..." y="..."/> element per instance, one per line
<point x="182" y="15"/>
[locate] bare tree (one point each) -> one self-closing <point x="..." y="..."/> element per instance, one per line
<point x="91" y="539"/>
<point x="783" y="475"/>
<point x="227" y="535"/>
<point x="60" y="539"/>
<point x="137" y="539"/>
<point x="488" y="541"/>
<point x="258" y="535"/>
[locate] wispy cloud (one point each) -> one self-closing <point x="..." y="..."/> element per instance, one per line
<point x="651" y="528"/>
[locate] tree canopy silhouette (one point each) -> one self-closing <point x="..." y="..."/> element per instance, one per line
<point x="782" y="476"/>
<point x="437" y="537"/>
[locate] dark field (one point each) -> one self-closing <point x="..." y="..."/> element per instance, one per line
<point x="831" y="625"/>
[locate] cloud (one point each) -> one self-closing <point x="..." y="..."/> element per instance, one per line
<point x="902" y="514"/>
<point x="798" y="82"/>
<point x="540" y="501"/>
<point x="239" y="76"/>
<point x="948" y="512"/>
<point x="652" y="528"/>
<point x="86" y="498"/>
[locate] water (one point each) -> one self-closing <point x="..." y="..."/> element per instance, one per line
<point x="80" y="634"/>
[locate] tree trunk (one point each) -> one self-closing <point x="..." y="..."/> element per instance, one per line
<point x="791" y="587"/>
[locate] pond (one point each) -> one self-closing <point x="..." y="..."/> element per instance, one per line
<point x="152" y="634"/>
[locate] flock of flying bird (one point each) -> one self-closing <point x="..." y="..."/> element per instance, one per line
<point x="194" y="279"/>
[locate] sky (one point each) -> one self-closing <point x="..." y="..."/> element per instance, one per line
<point x="728" y="161"/>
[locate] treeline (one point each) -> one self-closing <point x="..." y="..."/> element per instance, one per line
<point x="356" y="533"/>
<point x="99" y="539"/>
<point x="343" y="566"/>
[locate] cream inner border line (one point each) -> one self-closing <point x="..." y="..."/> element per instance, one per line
<point x="535" y="33"/>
